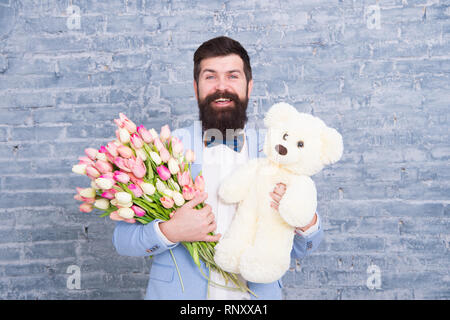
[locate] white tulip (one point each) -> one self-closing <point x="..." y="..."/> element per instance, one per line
<point x="168" y="192"/>
<point x="101" y="156"/>
<point x="94" y="185"/>
<point x="123" y="197"/>
<point x="173" y="166"/>
<point x="114" y="202"/>
<point x="125" y="205"/>
<point x="126" y="213"/>
<point x="141" y="153"/>
<point x="153" y="133"/>
<point x="155" y="157"/>
<point x="88" y="193"/>
<point x="178" y="198"/>
<point x="175" y="186"/>
<point x="148" y="188"/>
<point x="102" y="203"/>
<point x="160" y="186"/>
<point x="79" y="168"/>
<point x="124" y="135"/>
<point x="104" y="183"/>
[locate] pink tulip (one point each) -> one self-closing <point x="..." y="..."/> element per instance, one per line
<point x="86" y="207"/>
<point x="138" y="211"/>
<point x="199" y="183"/>
<point x="167" y="202"/>
<point x="184" y="178"/>
<point x="120" y="176"/>
<point x="85" y="200"/>
<point x="85" y="160"/>
<point x="135" y="179"/>
<point x="92" y="173"/>
<point x="122" y="164"/>
<point x="108" y="155"/>
<point x="145" y="134"/>
<point x="188" y="193"/>
<point x="115" y="216"/>
<point x="165" y="133"/>
<point x="164" y="154"/>
<point x="177" y="146"/>
<point x="125" y="152"/>
<point x="136" y="141"/>
<point x="108" y="194"/>
<point x="137" y="191"/>
<point x="158" y="144"/>
<point x="138" y="167"/>
<point x="103" y="166"/>
<point x="190" y="156"/>
<point x="111" y="147"/>
<point x="163" y="172"/>
<point x="78" y="197"/>
<point x="126" y="123"/>
<point x="91" y="153"/>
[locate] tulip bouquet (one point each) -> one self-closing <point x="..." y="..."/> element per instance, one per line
<point x="142" y="176"/>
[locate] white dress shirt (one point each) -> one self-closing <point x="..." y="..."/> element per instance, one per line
<point x="220" y="161"/>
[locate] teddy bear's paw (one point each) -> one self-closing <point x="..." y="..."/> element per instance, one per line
<point x="227" y="192"/>
<point x="227" y="255"/>
<point x="296" y="216"/>
<point x="262" y="267"/>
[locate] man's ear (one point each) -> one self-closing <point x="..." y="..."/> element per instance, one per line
<point x="249" y="88"/>
<point x="195" y="89"/>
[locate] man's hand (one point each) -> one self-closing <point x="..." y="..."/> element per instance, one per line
<point x="277" y="195"/>
<point x="189" y="224"/>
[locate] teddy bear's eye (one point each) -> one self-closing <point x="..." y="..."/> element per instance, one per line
<point x="285" y="136"/>
<point x="300" y="144"/>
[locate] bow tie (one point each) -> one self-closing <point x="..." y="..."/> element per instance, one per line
<point x="234" y="143"/>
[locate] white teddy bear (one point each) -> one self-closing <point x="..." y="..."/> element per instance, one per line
<point x="259" y="240"/>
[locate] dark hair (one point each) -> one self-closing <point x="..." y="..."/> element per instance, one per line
<point x="221" y="46"/>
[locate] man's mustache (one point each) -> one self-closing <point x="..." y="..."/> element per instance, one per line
<point x="221" y="94"/>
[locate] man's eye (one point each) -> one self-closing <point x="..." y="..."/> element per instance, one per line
<point x="233" y="76"/>
<point x="209" y="77"/>
<point x="285" y="136"/>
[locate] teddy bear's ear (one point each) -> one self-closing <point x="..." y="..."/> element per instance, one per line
<point x="279" y="113"/>
<point x="332" y="145"/>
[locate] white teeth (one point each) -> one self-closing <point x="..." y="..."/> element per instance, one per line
<point x="221" y="100"/>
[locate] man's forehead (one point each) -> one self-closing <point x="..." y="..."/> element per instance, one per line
<point x="222" y="63"/>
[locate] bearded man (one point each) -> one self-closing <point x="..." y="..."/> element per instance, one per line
<point x="221" y="142"/>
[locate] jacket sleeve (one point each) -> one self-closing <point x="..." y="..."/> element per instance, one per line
<point x="138" y="240"/>
<point x="305" y="245"/>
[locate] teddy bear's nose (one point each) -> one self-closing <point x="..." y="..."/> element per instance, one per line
<point x="281" y="149"/>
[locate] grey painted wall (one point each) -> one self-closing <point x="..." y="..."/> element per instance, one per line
<point x="378" y="71"/>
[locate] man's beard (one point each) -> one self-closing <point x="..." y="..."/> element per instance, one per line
<point x="223" y="118"/>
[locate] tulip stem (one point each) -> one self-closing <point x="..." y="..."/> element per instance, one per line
<point x="178" y="270"/>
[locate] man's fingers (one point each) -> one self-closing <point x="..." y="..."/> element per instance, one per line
<point x="211" y="227"/>
<point x="275" y="197"/>
<point x="210" y="218"/>
<point x="206" y="209"/>
<point x="280" y="189"/>
<point x="214" y="238"/>
<point x="196" y="200"/>
<point x="274" y="205"/>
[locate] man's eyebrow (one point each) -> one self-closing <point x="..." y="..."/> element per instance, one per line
<point x="214" y="71"/>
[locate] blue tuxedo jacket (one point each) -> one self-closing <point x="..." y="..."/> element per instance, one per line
<point x="142" y="240"/>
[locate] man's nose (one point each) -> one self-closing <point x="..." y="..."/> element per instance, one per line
<point x="221" y="84"/>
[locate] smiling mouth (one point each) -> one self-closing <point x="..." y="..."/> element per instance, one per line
<point x="223" y="102"/>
